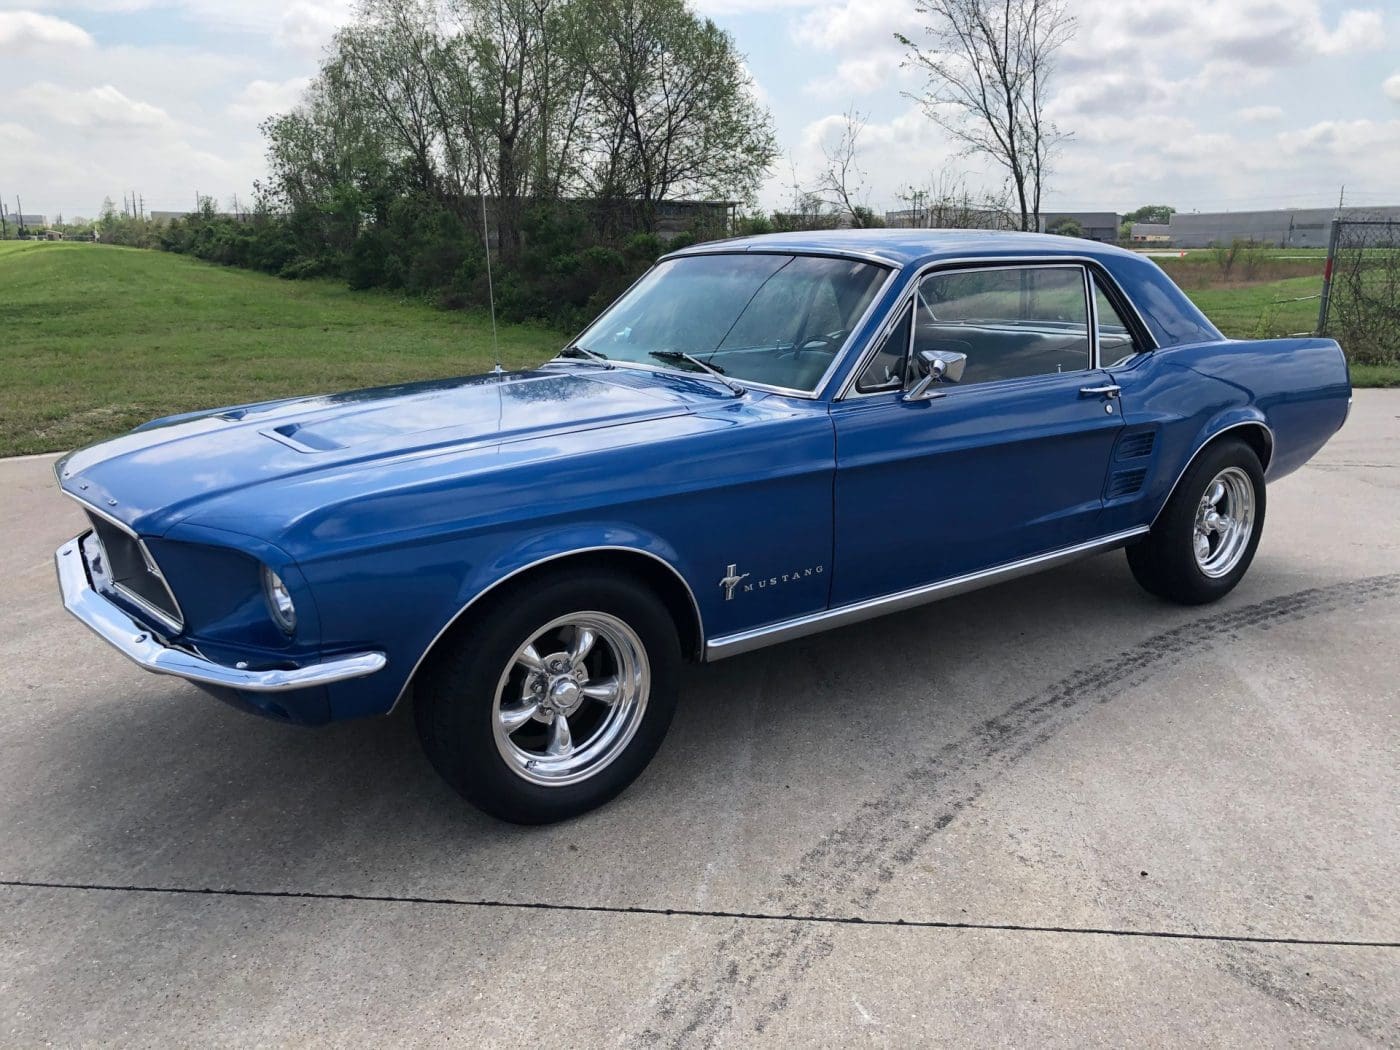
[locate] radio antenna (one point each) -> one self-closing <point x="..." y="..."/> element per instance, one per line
<point x="490" y="288"/>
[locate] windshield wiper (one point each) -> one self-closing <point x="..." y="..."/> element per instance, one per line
<point x="582" y="353"/>
<point x="714" y="370"/>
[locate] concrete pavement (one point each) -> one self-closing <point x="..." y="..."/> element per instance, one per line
<point x="1066" y="813"/>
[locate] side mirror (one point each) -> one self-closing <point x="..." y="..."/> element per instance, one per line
<point x="936" y="367"/>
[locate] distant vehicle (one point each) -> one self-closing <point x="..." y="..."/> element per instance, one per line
<point x="762" y="439"/>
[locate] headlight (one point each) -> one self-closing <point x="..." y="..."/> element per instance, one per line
<point x="279" y="601"/>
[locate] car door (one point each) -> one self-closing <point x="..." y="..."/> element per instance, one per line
<point x="1007" y="463"/>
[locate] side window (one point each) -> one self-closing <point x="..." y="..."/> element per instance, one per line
<point x="1011" y="321"/>
<point x="886" y="369"/>
<point x="1115" y="337"/>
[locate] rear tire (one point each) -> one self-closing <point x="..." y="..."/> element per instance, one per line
<point x="554" y="696"/>
<point x="1204" y="540"/>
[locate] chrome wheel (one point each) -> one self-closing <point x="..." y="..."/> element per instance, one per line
<point x="571" y="698"/>
<point x="1224" y="522"/>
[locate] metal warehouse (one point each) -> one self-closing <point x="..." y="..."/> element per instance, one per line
<point x="1286" y="227"/>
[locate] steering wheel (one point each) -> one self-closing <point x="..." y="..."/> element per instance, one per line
<point x="828" y="343"/>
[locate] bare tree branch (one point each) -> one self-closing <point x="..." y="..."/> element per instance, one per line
<point x="988" y="64"/>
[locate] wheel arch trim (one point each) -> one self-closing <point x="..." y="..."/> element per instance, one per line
<point x="1215" y="431"/>
<point x="563" y="555"/>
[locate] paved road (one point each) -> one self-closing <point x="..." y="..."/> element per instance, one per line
<point x="1067" y="814"/>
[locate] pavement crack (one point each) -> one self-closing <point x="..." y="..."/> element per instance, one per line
<point x="698" y="913"/>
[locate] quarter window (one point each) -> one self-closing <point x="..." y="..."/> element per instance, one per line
<point x="887" y="369"/>
<point x="1011" y="322"/>
<point x="1115" y="337"/>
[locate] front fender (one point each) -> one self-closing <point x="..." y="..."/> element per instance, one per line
<point x="421" y="623"/>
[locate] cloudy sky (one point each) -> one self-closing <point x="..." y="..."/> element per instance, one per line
<point x="1205" y="104"/>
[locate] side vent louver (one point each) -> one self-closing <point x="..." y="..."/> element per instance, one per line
<point x="1135" y="446"/>
<point x="1125" y="482"/>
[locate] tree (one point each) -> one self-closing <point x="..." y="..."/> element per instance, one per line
<point x="673" y="112"/>
<point x="841" y="183"/>
<point x="989" y="64"/>
<point x="1066" y="227"/>
<point x="946" y="203"/>
<point x="1154" y="213"/>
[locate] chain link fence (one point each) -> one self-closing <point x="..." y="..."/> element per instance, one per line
<point x="1360" y="305"/>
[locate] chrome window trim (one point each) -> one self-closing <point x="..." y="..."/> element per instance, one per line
<point x="175" y="624"/>
<point x="1113" y="291"/>
<point x="819" y="390"/>
<point x="1094" y="268"/>
<point x="730" y="248"/>
<point x="1201" y="448"/>
<point x="869" y="608"/>
<point x="694" y="605"/>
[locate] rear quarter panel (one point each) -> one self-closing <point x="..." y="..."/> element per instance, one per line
<point x="1298" y="388"/>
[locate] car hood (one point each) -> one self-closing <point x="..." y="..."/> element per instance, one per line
<point x="159" y="474"/>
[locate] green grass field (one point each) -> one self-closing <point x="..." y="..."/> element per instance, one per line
<point x="95" y="339"/>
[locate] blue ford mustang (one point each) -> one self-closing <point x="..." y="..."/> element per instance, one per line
<point x="762" y="439"/>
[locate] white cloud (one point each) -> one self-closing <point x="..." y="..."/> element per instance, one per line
<point x="307" y="25"/>
<point x="1391" y="87"/>
<point x="95" y="109"/>
<point x="28" y="32"/>
<point x="719" y="8"/>
<point x="262" y="98"/>
<point x="855" y="26"/>
<point x="15" y="136"/>
<point x="1259" y="114"/>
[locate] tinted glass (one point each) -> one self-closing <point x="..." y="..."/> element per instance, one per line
<point x="1115" y="338"/>
<point x="886" y="369"/>
<point x="1011" y="322"/>
<point x="775" y="319"/>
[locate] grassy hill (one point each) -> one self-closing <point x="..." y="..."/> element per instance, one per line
<point x="95" y="339"/>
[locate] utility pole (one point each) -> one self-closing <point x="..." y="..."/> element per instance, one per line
<point x="143" y="205"/>
<point x="19" y="218"/>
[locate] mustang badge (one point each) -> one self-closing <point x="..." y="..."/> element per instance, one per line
<point x="731" y="580"/>
<point x="734" y="577"/>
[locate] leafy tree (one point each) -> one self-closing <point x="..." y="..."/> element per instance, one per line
<point x="1153" y="213"/>
<point x="673" y="111"/>
<point x="1066" y="227"/>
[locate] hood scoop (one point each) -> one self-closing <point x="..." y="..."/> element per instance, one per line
<point x="302" y="438"/>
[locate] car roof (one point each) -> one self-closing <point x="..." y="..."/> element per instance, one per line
<point x="903" y="247"/>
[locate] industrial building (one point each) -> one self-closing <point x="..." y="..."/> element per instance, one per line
<point x="1283" y="228"/>
<point x="1096" y="225"/>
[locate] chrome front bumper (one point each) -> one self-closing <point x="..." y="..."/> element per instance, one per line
<point x="137" y="643"/>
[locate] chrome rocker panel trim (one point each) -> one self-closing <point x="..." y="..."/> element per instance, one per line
<point x="802" y="626"/>
<point x="137" y="644"/>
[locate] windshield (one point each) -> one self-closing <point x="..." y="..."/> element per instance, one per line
<point x="773" y="319"/>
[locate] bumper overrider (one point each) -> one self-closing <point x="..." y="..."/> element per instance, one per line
<point x="138" y="644"/>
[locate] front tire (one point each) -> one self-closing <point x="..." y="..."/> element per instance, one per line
<point x="1204" y="540"/>
<point x="554" y="696"/>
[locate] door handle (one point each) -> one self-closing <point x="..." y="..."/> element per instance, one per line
<point x="1112" y="390"/>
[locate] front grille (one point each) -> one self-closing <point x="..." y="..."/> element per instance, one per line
<point x="129" y="569"/>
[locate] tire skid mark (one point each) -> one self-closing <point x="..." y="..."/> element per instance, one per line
<point x="845" y="870"/>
